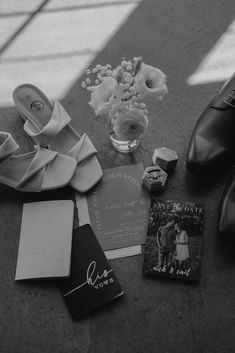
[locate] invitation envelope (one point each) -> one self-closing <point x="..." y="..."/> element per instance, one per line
<point x="45" y="240"/>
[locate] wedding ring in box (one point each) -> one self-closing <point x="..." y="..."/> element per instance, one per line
<point x="165" y="158"/>
<point x="154" y="178"/>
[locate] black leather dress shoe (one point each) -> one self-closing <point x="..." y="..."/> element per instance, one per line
<point x="226" y="223"/>
<point x="213" y="140"/>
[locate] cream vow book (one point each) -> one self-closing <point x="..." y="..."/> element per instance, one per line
<point x="45" y="240"/>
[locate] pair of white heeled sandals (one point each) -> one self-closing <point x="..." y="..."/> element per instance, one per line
<point x="61" y="156"/>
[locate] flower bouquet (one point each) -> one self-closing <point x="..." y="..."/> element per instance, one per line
<point x="117" y="94"/>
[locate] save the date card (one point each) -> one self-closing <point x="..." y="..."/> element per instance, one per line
<point x="173" y="248"/>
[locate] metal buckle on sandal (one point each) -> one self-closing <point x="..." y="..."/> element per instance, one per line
<point x="230" y="100"/>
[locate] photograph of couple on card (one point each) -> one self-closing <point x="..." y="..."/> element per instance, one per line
<point x="174" y="240"/>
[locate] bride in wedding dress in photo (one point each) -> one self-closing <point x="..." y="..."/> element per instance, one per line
<point x="181" y="245"/>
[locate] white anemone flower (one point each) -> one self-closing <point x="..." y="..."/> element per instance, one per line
<point x="150" y="81"/>
<point x="103" y="95"/>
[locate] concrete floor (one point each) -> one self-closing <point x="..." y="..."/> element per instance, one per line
<point x="179" y="37"/>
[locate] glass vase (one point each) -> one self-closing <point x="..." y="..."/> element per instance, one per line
<point x="124" y="146"/>
<point x="127" y="129"/>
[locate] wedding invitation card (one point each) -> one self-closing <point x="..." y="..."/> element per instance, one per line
<point x="117" y="209"/>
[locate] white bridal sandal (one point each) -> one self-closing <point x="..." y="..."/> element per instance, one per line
<point x="49" y="125"/>
<point x="34" y="171"/>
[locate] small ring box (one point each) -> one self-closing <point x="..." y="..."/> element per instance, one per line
<point x="154" y="178"/>
<point x="165" y="158"/>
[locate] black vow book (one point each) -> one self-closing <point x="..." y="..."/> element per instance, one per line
<point x="92" y="282"/>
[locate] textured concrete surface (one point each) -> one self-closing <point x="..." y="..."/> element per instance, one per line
<point x="153" y="316"/>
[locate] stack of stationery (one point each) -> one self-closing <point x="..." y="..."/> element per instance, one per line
<point x="49" y="248"/>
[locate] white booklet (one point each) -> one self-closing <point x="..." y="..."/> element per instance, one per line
<point x="45" y="240"/>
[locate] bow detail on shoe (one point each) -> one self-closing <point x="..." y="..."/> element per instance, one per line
<point x="83" y="149"/>
<point x="36" y="168"/>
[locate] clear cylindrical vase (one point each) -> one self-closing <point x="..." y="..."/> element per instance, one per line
<point x="127" y="129"/>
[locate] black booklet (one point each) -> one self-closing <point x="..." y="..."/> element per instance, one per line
<point x="173" y="248"/>
<point x="92" y="282"/>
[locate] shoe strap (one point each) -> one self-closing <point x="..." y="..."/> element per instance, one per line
<point x="83" y="149"/>
<point x="41" y="159"/>
<point x="59" y="119"/>
<point x="7" y="145"/>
